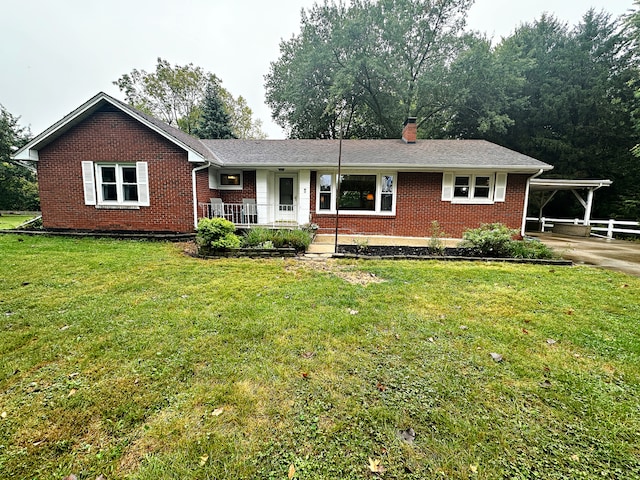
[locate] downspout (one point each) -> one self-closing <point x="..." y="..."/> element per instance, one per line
<point x="526" y="202"/>
<point x="195" y="193"/>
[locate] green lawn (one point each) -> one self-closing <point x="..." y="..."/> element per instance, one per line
<point x="9" y="221"/>
<point x="131" y="360"/>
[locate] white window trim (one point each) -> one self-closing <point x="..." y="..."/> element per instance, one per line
<point x="376" y="212"/>
<point x="497" y="187"/>
<point x="92" y="180"/>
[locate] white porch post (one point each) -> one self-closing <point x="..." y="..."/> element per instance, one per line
<point x="304" y="196"/>
<point x="262" y="196"/>
<point x="588" y="207"/>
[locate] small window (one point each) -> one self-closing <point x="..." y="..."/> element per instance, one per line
<point x="482" y="187"/>
<point x="325" y="192"/>
<point x="118" y="183"/>
<point x="386" y="198"/>
<point x="461" y="187"/>
<point x="230" y="179"/>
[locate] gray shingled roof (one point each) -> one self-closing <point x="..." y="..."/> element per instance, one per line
<point x="182" y="137"/>
<point x="424" y="154"/>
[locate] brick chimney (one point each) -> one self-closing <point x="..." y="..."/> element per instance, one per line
<point x="410" y="131"/>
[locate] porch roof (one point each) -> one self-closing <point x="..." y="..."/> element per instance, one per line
<point x="390" y="154"/>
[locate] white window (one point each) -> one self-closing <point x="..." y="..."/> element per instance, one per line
<point x="371" y="193"/>
<point x="116" y="184"/>
<point x="480" y="188"/>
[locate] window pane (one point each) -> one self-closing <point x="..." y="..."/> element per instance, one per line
<point x="325" y="183"/>
<point x="129" y="175"/>
<point x="482" y="187"/>
<point x="109" y="192"/>
<point x="130" y="193"/>
<point x="387" y="184"/>
<point x="325" y="201"/>
<point x="358" y="192"/>
<point x="108" y="174"/>
<point x="229" y="179"/>
<point x="461" y="188"/>
<point x="386" y="203"/>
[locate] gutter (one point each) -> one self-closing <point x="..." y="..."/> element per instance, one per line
<point x="526" y="201"/>
<point x="195" y="192"/>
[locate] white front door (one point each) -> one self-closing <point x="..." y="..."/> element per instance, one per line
<point x="286" y="198"/>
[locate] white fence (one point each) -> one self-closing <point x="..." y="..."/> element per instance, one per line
<point x="607" y="227"/>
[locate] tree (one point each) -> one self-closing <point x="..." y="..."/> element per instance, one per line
<point x="373" y="63"/>
<point x="213" y="121"/>
<point x="175" y="95"/>
<point x="574" y="106"/>
<point x="18" y="187"/>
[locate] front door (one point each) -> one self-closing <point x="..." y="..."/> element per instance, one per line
<point x="286" y="197"/>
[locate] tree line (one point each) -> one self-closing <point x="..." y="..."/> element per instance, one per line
<point x="566" y="95"/>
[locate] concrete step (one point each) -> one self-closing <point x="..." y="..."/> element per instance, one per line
<point x="320" y="248"/>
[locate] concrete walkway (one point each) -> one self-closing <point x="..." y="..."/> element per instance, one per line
<point x="619" y="255"/>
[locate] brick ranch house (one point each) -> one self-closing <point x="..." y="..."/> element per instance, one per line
<point x="109" y="167"/>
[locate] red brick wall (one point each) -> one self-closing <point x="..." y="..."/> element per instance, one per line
<point x="111" y="136"/>
<point x="418" y="203"/>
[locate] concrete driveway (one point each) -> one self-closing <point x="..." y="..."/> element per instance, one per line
<point x="617" y="255"/>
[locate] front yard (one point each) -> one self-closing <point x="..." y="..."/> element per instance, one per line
<point x="130" y="360"/>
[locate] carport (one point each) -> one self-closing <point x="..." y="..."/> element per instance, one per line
<point x="546" y="189"/>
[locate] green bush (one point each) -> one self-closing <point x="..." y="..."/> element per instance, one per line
<point x="490" y="240"/>
<point x="531" y="249"/>
<point x="497" y="240"/>
<point x="259" y="237"/>
<point x="216" y="234"/>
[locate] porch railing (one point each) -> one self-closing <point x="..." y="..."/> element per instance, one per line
<point x="606" y="227"/>
<point x="246" y="215"/>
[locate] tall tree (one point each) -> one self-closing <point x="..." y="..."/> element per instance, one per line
<point x="574" y="107"/>
<point x="175" y="95"/>
<point x="18" y="187"/>
<point x="213" y="121"/>
<point x="373" y="63"/>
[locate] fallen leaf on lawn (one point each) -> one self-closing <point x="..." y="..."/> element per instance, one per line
<point x="3" y="415"/>
<point x="66" y="327"/>
<point x="70" y="477"/>
<point x="624" y="285"/>
<point x="525" y="331"/>
<point x="408" y="435"/>
<point x="375" y="466"/>
<point x="431" y="339"/>
<point x="72" y="392"/>
<point x="546" y="384"/>
<point x="381" y="387"/>
<point x="575" y="457"/>
<point x="353" y="312"/>
<point x="570" y="311"/>
<point x="39" y="442"/>
<point x="101" y="477"/>
<point x="305" y="375"/>
<point x="217" y="412"/>
<point x="473" y="468"/>
<point x="463" y="327"/>
<point x="292" y="471"/>
<point x="203" y="460"/>
<point x="308" y="354"/>
<point x="496" y="357"/>
<point x="73" y="375"/>
<point x="551" y="341"/>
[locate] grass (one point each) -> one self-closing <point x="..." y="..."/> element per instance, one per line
<point x="130" y="360"/>
<point x="9" y="221"/>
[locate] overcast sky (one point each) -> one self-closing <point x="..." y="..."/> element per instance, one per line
<point x="55" y="55"/>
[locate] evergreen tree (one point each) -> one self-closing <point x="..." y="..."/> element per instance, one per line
<point x="214" y="122"/>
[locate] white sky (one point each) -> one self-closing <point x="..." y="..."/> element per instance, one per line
<point x="55" y="55"/>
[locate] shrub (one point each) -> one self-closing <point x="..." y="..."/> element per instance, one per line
<point x="490" y="240"/>
<point x="436" y="245"/>
<point x="216" y="234"/>
<point x="259" y="237"/>
<point x="531" y="249"/>
<point x="497" y="240"/>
